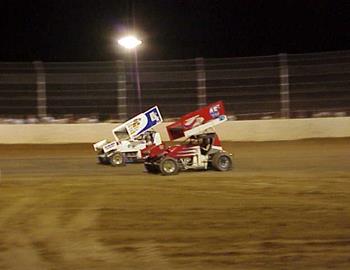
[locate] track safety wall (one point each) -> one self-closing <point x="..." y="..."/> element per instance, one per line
<point x="250" y="130"/>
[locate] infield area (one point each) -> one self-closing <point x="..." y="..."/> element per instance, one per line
<point x="286" y="205"/>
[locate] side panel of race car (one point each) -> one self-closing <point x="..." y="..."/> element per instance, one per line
<point x="110" y="147"/>
<point x="182" y="151"/>
<point x="153" y="150"/>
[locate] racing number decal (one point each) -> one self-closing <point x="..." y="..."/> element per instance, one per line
<point x="149" y="119"/>
<point x="214" y="111"/>
<point x="154" y="116"/>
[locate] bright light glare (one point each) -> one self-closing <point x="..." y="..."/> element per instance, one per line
<point x="129" y="42"/>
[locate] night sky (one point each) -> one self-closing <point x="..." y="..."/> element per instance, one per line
<point x="74" y="30"/>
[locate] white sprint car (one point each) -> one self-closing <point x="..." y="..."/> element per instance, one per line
<point x="132" y="139"/>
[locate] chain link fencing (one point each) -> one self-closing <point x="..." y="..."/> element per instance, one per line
<point x="276" y="86"/>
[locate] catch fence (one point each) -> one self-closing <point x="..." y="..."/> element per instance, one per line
<point x="277" y="86"/>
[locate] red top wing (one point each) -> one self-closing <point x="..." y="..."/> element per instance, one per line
<point x="193" y="119"/>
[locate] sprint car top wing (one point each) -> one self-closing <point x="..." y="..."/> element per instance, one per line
<point x="197" y="122"/>
<point x="141" y="123"/>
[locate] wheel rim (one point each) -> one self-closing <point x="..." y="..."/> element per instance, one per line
<point x="224" y="162"/>
<point x="169" y="166"/>
<point x="118" y="159"/>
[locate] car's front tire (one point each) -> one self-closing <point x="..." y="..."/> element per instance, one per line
<point x="117" y="159"/>
<point x="169" y="166"/>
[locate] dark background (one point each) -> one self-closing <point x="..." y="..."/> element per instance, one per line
<point x="74" y="30"/>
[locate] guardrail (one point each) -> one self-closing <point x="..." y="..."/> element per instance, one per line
<point x="250" y="130"/>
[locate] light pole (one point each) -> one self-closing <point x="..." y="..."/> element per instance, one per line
<point x="131" y="43"/>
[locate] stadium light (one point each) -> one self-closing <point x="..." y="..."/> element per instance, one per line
<point x="129" y="42"/>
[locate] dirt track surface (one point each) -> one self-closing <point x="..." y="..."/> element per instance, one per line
<point x="285" y="206"/>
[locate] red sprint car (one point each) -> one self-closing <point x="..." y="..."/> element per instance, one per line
<point x="200" y="151"/>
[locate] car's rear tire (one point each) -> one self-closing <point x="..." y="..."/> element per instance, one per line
<point x="117" y="159"/>
<point x="222" y="161"/>
<point x="169" y="166"/>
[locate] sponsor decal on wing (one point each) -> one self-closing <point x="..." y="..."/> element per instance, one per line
<point x="193" y="121"/>
<point x="136" y="124"/>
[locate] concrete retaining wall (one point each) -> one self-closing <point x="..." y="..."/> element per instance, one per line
<point x="257" y="130"/>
